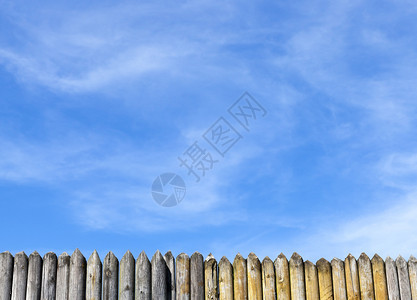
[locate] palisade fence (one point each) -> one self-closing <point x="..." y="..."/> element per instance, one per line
<point x="72" y="277"/>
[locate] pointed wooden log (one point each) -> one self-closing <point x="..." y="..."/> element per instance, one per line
<point x="49" y="273"/>
<point x="143" y="282"/>
<point x="268" y="279"/>
<point x="225" y="279"/>
<point x="197" y="276"/>
<point x="33" y="287"/>
<point x="324" y="271"/>
<point x="282" y="277"/>
<point x="352" y="278"/>
<point x="254" y="277"/>
<point x="392" y="279"/>
<point x="94" y="277"/>
<point x="412" y="270"/>
<point x="183" y="277"/>
<point x="297" y="277"/>
<point x="62" y="277"/>
<point x="403" y="278"/>
<point x="77" y="279"/>
<point x="240" y="279"/>
<point x="159" y="277"/>
<point x="379" y="277"/>
<point x="210" y="278"/>
<point x="110" y="277"/>
<point x="170" y="261"/>
<point x="365" y="277"/>
<point x="6" y="275"/>
<point x="338" y="277"/>
<point x="127" y="277"/>
<point x="20" y="275"/>
<point x="311" y="280"/>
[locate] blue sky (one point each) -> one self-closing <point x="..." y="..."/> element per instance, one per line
<point x="99" y="98"/>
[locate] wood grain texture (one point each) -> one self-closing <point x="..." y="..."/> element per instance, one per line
<point x="268" y="279"/>
<point x="159" y="277"/>
<point x="110" y="277"/>
<point x="240" y="279"/>
<point x="403" y="278"/>
<point x="49" y="273"/>
<point x="143" y="275"/>
<point x="183" y="277"/>
<point x="197" y="276"/>
<point x="170" y="261"/>
<point x="20" y="275"/>
<point x="338" y="277"/>
<point x="379" y="277"/>
<point x="324" y="271"/>
<point x="282" y="277"/>
<point x="311" y="281"/>
<point x="412" y="271"/>
<point x="365" y="277"/>
<point x="352" y="278"/>
<point x="33" y="286"/>
<point x="77" y="278"/>
<point x="297" y="277"/>
<point x="94" y="277"/>
<point x="254" y="277"/>
<point x="210" y="278"/>
<point x="392" y="279"/>
<point x="127" y="277"/>
<point x="62" y="277"/>
<point x="6" y="275"/>
<point x="225" y="279"/>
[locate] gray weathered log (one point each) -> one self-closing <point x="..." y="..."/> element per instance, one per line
<point x="365" y="277"/>
<point x="170" y="261"/>
<point x="183" y="277"/>
<point x="159" y="277"/>
<point x="20" y="275"/>
<point x="143" y="282"/>
<point x="210" y="278"/>
<point x="282" y="274"/>
<point x="33" y="287"/>
<point x="110" y="277"/>
<point x="338" y="277"/>
<point x="127" y="277"/>
<point x="392" y="279"/>
<point x="403" y="278"/>
<point x="94" y="276"/>
<point x="77" y="279"/>
<point x="62" y="277"/>
<point x="297" y="277"/>
<point x="49" y="272"/>
<point x="412" y="270"/>
<point x="6" y="275"/>
<point x="225" y="279"/>
<point x="197" y="276"/>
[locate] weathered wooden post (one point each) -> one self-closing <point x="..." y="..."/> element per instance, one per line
<point x="412" y="270"/>
<point x="127" y="277"/>
<point x="77" y="276"/>
<point x="282" y="277"/>
<point x="338" y="277"/>
<point x="254" y="277"/>
<point x="268" y="279"/>
<point x="311" y="281"/>
<point x="297" y="277"/>
<point x="49" y="273"/>
<point x="210" y="278"/>
<point x="379" y="276"/>
<point x="197" y="276"/>
<point x="240" y="280"/>
<point x="62" y="277"/>
<point x="20" y="275"/>
<point x="159" y="277"/>
<point x="33" y="287"/>
<point x="365" y="277"/>
<point x="143" y="282"/>
<point x="225" y="279"/>
<point x="183" y="277"/>
<point x="352" y="278"/>
<point x="392" y="279"/>
<point x="94" y="277"/>
<point x="324" y="271"/>
<point x="403" y="278"/>
<point x="6" y="275"/>
<point x="110" y="277"/>
<point x="170" y="261"/>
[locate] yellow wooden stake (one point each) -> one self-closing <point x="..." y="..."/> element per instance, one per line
<point x="365" y="277"/>
<point x="240" y="282"/>
<point x="254" y="277"/>
<point x="297" y="277"/>
<point x="225" y="279"/>
<point x="338" y="276"/>
<point x="324" y="271"/>
<point x="268" y="279"/>
<point x="282" y="277"/>
<point x="312" y="282"/>
<point x="352" y="278"/>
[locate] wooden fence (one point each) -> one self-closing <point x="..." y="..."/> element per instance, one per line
<point x="185" y="278"/>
